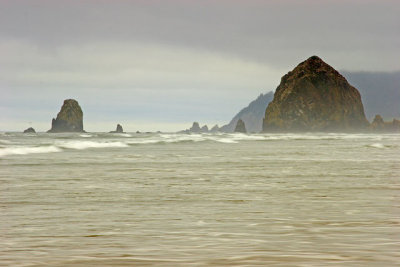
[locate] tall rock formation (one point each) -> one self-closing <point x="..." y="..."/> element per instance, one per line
<point x="69" y="119"/>
<point x="240" y="127"/>
<point x="315" y="97"/>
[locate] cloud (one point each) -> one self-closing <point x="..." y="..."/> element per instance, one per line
<point x="177" y="61"/>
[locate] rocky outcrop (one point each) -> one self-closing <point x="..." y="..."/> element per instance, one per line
<point x="252" y="115"/>
<point x="214" y="129"/>
<point x="204" y="129"/>
<point x="69" y="119"/>
<point x="30" y="130"/>
<point x="195" y="128"/>
<point x="379" y="125"/>
<point x="315" y="97"/>
<point x="118" y="130"/>
<point x="240" y="127"/>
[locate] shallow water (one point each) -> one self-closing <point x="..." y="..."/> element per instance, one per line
<point x="99" y="199"/>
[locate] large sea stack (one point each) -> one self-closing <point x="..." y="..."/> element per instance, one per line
<point x="69" y="119"/>
<point x="315" y="97"/>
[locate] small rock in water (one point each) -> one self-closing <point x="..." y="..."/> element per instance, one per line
<point x="240" y="127"/>
<point x="30" y="130"/>
<point x="118" y="130"/>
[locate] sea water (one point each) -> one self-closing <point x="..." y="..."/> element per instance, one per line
<point x="97" y="199"/>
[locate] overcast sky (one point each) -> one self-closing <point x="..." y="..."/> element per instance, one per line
<point x="160" y="65"/>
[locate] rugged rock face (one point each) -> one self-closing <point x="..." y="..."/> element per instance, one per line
<point x="379" y="125"/>
<point x="118" y="130"/>
<point x="252" y="115"/>
<point x="315" y="97"/>
<point x="240" y="127"/>
<point x="69" y="119"/>
<point x="30" y="130"/>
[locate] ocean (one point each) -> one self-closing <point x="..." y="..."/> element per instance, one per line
<point x="99" y="199"/>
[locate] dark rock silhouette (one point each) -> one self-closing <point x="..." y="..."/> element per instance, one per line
<point x="315" y="97"/>
<point x="252" y="115"/>
<point x="240" y="127"/>
<point x="118" y="130"/>
<point x="30" y="130"/>
<point x="195" y="128"/>
<point x="69" y="119"/>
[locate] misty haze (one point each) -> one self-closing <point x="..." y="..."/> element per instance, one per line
<point x="199" y="133"/>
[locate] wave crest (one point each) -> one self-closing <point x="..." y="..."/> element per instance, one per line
<point x="80" y="145"/>
<point x="28" y="150"/>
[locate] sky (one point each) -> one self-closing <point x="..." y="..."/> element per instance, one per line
<point x="162" y="64"/>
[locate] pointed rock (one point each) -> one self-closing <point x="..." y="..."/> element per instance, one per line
<point x="315" y="97"/>
<point x="69" y="119"/>
<point x="240" y="127"/>
<point x="195" y="128"/>
<point x="118" y="130"/>
<point x="378" y="124"/>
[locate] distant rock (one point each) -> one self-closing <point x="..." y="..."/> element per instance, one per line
<point x="240" y="127"/>
<point x="204" y="129"/>
<point x="195" y="128"/>
<point x="118" y="130"/>
<point x="30" y="130"/>
<point x="252" y="115"/>
<point x="379" y="125"/>
<point x="214" y="129"/>
<point x="69" y="119"/>
<point x="315" y="97"/>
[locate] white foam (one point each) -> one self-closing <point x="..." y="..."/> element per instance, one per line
<point x="123" y="134"/>
<point x="143" y="141"/>
<point x="225" y="140"/>
<point x="377" y="145"/>
<point x="80" y="145"/>
<point x="28" y="150"/>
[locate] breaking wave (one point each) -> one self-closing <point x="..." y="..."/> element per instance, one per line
<point x="377" y="145"/>
<point x="80" y="145"/>
<point x="28" y="150"/>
